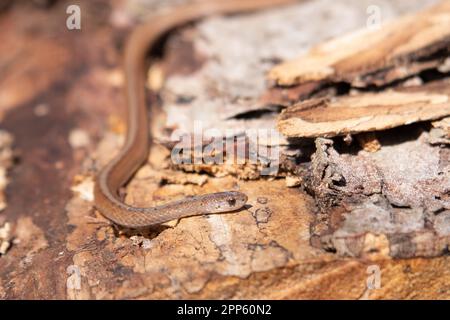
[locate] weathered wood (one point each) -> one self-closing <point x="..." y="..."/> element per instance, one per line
<point x="62" y="248"/>
<point x="364" y="112"/>
<point x="375" y="56"/>
<point x="440" y="133"/>
<point x="392" y="202"/>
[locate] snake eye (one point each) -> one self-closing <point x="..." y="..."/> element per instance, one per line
<point x="231" y="202"/>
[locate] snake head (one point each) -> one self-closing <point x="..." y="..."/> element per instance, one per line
<point x="224" y="201"/>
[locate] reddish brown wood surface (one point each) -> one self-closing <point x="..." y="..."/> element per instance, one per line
<point x="61" y="97"/>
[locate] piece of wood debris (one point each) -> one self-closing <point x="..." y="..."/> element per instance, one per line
<point x="400" y="48"/>
<point x="443" y="124"/>
<point x="369" y="141"/>
<point x="381" y="194"/>
<point x="365" y="112"/>
<point x="78" y="138"/>
<point x="6" y="161"/>
<point x="5" y="238"/>
<point x="84" y="187"/>
<point x="293" y="181"/>
<point x="440" y="133"/>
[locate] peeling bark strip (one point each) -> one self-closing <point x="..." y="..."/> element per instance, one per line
<point x="361" y="113"/>
<point x="401" y="48"/>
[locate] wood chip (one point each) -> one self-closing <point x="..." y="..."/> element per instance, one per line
<point x="293" y="181"/>
<point x="440" y="133"/>
<point x="6" y="162"/>
<point x="78" y="138"/>
<point x="444" y="125"/>
<point x="5" y="238"/>
<point x="85" y="189"/>
<point x="369" y="142"/>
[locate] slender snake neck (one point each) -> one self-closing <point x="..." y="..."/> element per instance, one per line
<point x="135" y="150"/>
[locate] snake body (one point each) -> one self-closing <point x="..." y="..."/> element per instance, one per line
<point x="136" y="147"/>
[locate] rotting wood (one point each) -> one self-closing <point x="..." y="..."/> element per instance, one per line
<point x="375" y="203"/>
<point x="262" y="253"/>
<point x="6" y="162"/>
<point x="375" y="56"/>
<point x="392" y="202"/>
<point x="440" y="133"/>
<point x="362" y="113"/>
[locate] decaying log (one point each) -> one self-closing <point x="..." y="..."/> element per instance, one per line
<point x="395" y="200"/>
<point x="64" y="112"/>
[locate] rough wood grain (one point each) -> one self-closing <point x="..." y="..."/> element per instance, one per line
<point x="364" y="112"/>
<point x="375" y="56"/>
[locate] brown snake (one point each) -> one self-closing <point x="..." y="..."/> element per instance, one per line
<point x="135" y="150"/>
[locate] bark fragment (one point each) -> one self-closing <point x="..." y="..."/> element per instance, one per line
<point x="373" y="56"/>
<point x="400" y="192"/>
<point x="362" y="113"/>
